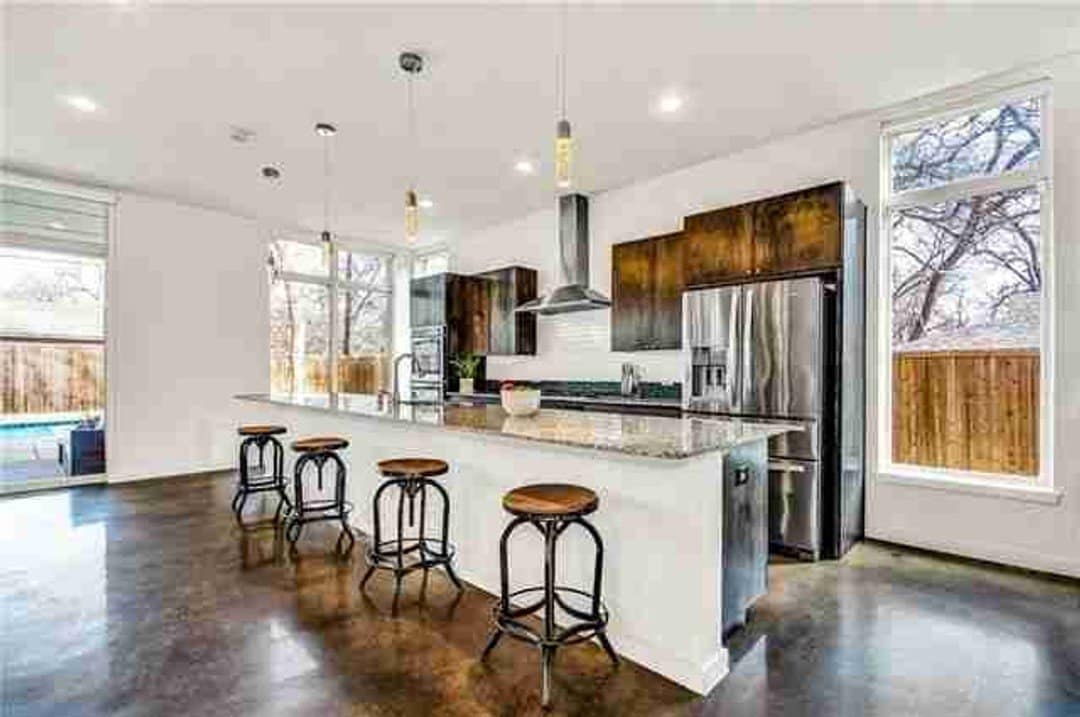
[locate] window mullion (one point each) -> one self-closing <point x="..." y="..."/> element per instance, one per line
<point x="965" y="189"/>
<point x="332" y="334"/>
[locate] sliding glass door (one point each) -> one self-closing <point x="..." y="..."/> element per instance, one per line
<point x="52" y="338"/>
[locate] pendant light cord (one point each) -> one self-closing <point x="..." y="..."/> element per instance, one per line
<point x="560" y="67"/>
<point x="412" y="132"/>
<point x="326" y="184"/>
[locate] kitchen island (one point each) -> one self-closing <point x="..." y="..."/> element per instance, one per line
<point x="660" y="482"/>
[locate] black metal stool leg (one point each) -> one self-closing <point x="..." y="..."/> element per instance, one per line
<point x="496" y="635"/>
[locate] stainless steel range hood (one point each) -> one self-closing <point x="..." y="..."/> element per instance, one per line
<point x="572" y="292"/>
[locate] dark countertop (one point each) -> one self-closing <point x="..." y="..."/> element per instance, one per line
<point x="635" y="435"/>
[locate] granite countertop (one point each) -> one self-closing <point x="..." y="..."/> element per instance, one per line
<point x="636" y="435"/>
<point x="605" y="400"/>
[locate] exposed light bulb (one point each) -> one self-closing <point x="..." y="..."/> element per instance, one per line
<point x="82" y="103"/>
<point x="524" y="166"/>
<point x="564" y="153"/>
<point x="669" y="104"/>
<point x="412" y="216"/>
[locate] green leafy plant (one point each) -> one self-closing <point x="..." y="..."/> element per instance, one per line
<point x="467" y="364"/>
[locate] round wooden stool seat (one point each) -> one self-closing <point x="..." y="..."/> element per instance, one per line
<point x="261" y="430"/>
<point x="319" y="443"/>
<point x="413" y="467"/>
<point x="550" y="499"/>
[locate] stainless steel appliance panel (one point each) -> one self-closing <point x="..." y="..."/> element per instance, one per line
<point x="782" y="357"/>
<point x="429" y="354"/>
<point x="712" y="348"/>
<point x="794" y="505"/>
<point x="803" y="445"/>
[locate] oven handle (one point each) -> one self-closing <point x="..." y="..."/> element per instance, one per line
<point x="786" y="467"/>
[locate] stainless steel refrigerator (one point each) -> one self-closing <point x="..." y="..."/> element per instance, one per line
<point x="776" y="351"/>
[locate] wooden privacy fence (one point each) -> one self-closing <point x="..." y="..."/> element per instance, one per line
<point x="51" y="378"/>
<point x="356" y="374"/>
<point x="969" y="410"/>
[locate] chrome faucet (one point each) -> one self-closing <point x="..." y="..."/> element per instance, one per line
<point x="396" y="395"/>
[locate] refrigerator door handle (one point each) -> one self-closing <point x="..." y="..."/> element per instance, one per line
<point x="746" y="369"/>
<point x="734" y="347"/>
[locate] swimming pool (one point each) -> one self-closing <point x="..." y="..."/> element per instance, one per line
<point x="10" y="430"/>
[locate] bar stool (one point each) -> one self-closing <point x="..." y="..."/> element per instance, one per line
<point x="261" y="436"/>
<point x="412" y="477"/>
<point x="319" y="451"/>
<point x="551" y="509"/>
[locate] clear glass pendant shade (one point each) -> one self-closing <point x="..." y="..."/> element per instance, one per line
<point x="564" y="154"/>
<point x="412" y="216"/>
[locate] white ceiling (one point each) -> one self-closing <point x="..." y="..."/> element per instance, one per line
<point x="171" y="80"/>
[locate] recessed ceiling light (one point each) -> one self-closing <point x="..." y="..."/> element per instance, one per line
<point x="670" y="103"/>
<point x="57" y="225"/>
<point x="241" y="135"/>
<point x="324" y="129"/>
<point x="271" y="173"/>
<point x="426" y="203"/>
<point x="81" y="103"/>
<point x="525" y="166"/>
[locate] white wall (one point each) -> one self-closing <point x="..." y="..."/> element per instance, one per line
<point x="188" y="327"/>
<point x="577" y="346"/>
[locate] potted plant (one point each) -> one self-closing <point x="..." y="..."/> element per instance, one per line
<point x="467" y="365"/>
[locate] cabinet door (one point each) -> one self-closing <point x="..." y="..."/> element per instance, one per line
<point x="632" y="286"/>
<point x="799" y="231"/>
<point x="719" y="245"/>
<point x="668" y="288"/>
<point x="469" y="313"/>
<point x="427" y="301"/>
<point x="510" y="333"/>
<point x="525" y="289"/>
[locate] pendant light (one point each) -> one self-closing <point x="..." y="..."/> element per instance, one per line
<point x="564" y="141"/>
<point x="326" y="131"/>
<point x="412" y="63"/>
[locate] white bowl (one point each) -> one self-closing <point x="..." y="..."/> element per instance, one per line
<point x="520" y="403"/>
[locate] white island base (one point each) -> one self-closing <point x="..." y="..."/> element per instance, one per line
<point x="660" y="518"/>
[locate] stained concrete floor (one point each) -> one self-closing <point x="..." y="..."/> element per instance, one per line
<point x="147" y="599"/>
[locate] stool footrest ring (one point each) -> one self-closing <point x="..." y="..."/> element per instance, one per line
<point x="582" y="631"/>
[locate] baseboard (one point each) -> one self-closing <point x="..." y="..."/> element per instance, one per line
<point x="1011" y="557"/>
<point x="137" y="477"/>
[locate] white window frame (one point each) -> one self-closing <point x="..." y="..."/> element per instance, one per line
<point x="1039" y="176"/>
<point x="425" y="253"/>
<point x="334" y="286"/>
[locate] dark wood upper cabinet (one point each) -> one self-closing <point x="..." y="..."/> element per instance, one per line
<point x="646" y="293"/>
<point x="478" y="311"/>
<point x="427" y="301"/>
<point x="793" y="233"/>
<point x="719" y="245"/>
<point x="459" y="303"/>
<point x="800" y="231"/>
<point x="510" y="333"/>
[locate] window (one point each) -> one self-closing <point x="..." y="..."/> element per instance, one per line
<point x="328" y="319"/>
<point x="429" y="264"/>
<point x="53" y="250"/>
<point x="966" y="206"/>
